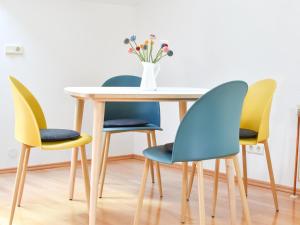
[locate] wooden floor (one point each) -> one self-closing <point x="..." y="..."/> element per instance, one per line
<point x="45" y="200"/>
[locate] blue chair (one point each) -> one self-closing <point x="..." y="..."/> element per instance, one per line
<point x="209" y="130"/>
<point x="129" y="117"/>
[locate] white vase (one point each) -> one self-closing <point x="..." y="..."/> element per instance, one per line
<point x="150" y="72"/>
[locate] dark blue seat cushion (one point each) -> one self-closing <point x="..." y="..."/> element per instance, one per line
<point x="169" y="147"/>
<point x="246" y="133"/>
<point x="125" y="123"/>
<point x="49" y="135"/>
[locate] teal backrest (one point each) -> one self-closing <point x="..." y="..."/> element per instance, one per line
<point x="210" y="128"/>
<point x="149" y="111"/>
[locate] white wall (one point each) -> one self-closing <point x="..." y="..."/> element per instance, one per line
<point x="216" y="41"/>
<point x="73" y="42"/>
<point x="67" y="43"/>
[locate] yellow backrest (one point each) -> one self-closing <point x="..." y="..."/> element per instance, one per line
<point x="257" y="107"/>
<point x="29" y="116"/>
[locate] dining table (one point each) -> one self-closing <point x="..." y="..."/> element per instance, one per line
<point x="98" y="96"/>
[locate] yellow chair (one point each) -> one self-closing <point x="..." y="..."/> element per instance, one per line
<point x="255" y="118"/>
<point x="29" y="119"/>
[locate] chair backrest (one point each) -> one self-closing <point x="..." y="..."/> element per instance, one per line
<point x="149" y="111"/>
<point x="257" y="107"/>
<point x="210" y="128"/>
<point x="29" y="116"/>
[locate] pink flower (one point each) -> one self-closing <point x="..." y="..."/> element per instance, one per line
<point x="165" y="49"/>
<point x="130" y="50"/>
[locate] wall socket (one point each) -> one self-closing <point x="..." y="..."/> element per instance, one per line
<point x="255" y="149"/>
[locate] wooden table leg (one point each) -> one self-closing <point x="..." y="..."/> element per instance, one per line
<point x="77" y="126"/>
<point x="182" y="111"/>
<point x="184" y="191"/>
<point x="98" y="108"/>
<point x="296" y="158"/>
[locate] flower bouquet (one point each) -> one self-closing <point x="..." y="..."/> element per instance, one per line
<point x="145" y="53"/>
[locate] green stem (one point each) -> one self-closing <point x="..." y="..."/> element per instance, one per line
<point x="157" y="55"/>
<point x="144" y="54"/>
<point x="150" y="54"/>
<point x="161" y="57"/>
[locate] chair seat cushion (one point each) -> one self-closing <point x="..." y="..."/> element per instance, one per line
<point x="169" y="147"/>
<point x="50" y="135"/>
<point x="125" y="123"/>
<point x="246" y="133"/>
<point x="84" y="139"/>
<point x="158" y="154"/>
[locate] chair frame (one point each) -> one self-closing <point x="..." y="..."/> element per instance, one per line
<point x="37" y="120"/>
<point x="231" y="165"/>
<point x="151" y="140"/>
<point x="198" y="165"/>
<point x="262" y="139"/>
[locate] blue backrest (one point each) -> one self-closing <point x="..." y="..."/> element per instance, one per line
<point x="210" y="128"/>
<point x="149" y="111"/>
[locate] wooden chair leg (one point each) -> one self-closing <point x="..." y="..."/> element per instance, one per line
<point x="245" y="176"/>
<point x="104" y="164"/>
<point x="272" y="180"/>
<point x="184" y="191"/>
<point x="23" y="177"/>
<point x="141" y="193"/>
<point x="242" y="190"/>
<point x="216" y="184"/>
<point x="231" y="190"/>
<point x="201" y="193"/>
<point x="85" y="173"/>
<point x="17" y="183"/>
<point x="296" y="157"/>
<point x="191" y="180"/>
<point x="159" y="179"/>
<point x="151" y="163"/>
<point x="154" y="143"/>
<point x="73" y="173"/>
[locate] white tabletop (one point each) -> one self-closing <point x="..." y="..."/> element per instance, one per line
<point x="135" y="93"/>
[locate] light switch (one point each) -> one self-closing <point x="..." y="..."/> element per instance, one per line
<point x="14" y="50"/>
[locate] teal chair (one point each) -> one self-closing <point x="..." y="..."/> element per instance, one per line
<point x="123" y="117"/>
<point x="210" y="130"/>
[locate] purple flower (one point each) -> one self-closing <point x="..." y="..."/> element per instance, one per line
<point x="152" y="36"/>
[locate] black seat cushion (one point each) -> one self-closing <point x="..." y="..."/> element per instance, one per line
<point x="246" y="133"/>
<point x="169" y="147"/>
<point x="125" y="123"/>
<point x="49" y="135"/>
